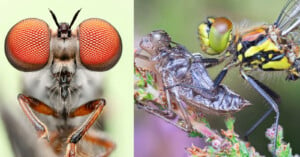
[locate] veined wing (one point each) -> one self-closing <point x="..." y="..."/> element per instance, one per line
<point x="289" y="17"/>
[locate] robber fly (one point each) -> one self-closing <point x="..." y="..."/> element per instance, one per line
<point x="183" y="77"/>
<point x="60" y="84"/>
<point x="267" y="48"/>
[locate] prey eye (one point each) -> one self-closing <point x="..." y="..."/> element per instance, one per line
<point x="27" y="45"/>
<point x="100" y="45"/>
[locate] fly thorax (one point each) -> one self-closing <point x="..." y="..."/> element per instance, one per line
<point x="273" y="34"/>
<point x="291" y="56"/>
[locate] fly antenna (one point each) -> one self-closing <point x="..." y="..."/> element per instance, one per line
<point x="54" y="18"/>
<point x="74" y="17"/>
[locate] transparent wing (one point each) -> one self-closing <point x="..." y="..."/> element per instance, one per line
<point x="289" y="17"/>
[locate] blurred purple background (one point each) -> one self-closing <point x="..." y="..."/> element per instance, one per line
<point x="154" y="137"/>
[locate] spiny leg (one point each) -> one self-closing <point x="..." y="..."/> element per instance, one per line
<point x="169" y="113"/>
<point x="274" y="95"/>
<point x="206" y="93"/>
<point x="26" y="102"/>
<point x="94" y="138"/>
<point x="169" y="79"/>
<point x="182" y="107"/>
<point x="270" y="101"/>
<point x="257" y="123"/>
<point x="198" y="58"/>
<point x="210" y="62"/>
<point x="97" y="107"/>
<point x="165" y="76"/>
<point x="222" y="74"/>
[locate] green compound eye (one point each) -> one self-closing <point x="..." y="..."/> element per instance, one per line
<point x="215" y="35"/>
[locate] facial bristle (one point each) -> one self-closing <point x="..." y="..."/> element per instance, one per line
<point x="27" y="44"/>
<point x="100" y="44"/>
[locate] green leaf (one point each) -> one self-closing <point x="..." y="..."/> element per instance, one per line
<point x="141" y="91"/>
<point x="243" y="149"/>
<point x="150" y="79"/>
<point x="233" y="152"/>
<point x="211" y="150"/>
<point x="148" y="96"/>
<point x="287" y="152"/>
<point x="195" y="134"/>
<point x="230" y="123"/>
<point x="204" y="120"/>
<point x="140" y="83"/>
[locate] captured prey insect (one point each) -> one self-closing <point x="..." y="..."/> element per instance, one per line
<point x="60" y="83"/>
<point x="183" y="79"/>
<point x="267" y="48"/>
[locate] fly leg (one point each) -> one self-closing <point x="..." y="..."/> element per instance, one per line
<point x="205" y="93"/>
<point x="222" y="74"/>
<point x="274" y="95"/>
<point x="138" y="54"/>
<point x="96" y="107"/>
<point x="170" y="112"/>
<point x="99" y="138"/>
<point x="169" y="79"/>
<point x="270" y="101"/>
<point x="197" y="57"/>
<point x="28" y="103"/>
<point x="166" y="79"/>
<point x="208" y="62"/>
<point x="182" y="107"/>
<point x="257" y="123"/>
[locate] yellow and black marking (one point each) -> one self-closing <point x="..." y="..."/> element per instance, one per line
<point x="259" y="51"/>
<point x="203" y="30"/>
<point x="252" y="49"/>
<point x="267" y="47"/>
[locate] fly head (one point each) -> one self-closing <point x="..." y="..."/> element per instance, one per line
<point x="64" y="29"/>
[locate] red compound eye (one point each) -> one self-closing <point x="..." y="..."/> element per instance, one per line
<point x="100" y="44"/>
<point x="27" y="45"/>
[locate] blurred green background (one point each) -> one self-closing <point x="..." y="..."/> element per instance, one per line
<point x="181" y="19"/>
<point x="118" y="87"/>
